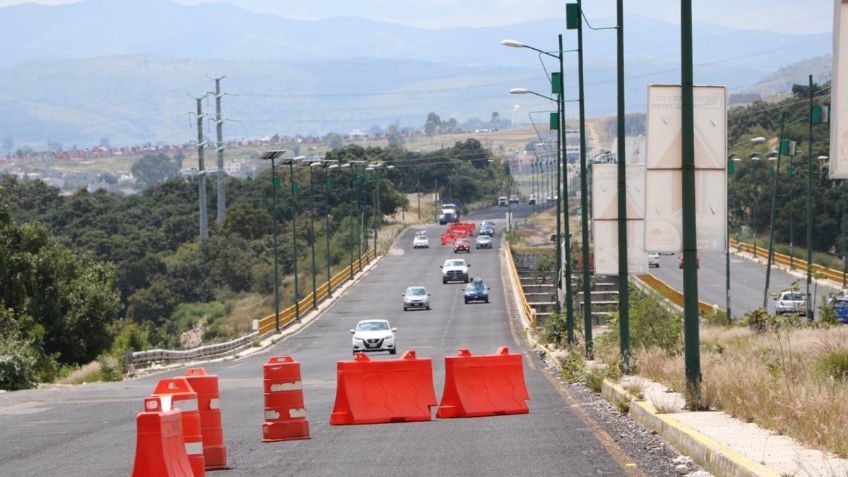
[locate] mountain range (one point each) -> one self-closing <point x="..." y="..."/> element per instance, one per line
<point x="79" y="72"/>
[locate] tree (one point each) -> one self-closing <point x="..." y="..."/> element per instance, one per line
<point x="394" y="136"/>
<point x="152" y="169"/>
<point x="334" y="140"/>
<point x="432" y="125"/>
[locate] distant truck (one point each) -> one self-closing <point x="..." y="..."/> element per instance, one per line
<point x="450" y="212"/>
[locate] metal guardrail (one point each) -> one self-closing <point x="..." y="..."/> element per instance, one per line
<point x="672" y="294"/>
<point x="516" y="283"/>
<point x="791" y="262"/>
<point x="141" y="359"/>
<point x="268" y="323"/>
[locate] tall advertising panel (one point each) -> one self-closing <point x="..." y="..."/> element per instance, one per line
<point x="839" y="102"/>
<point x="663" y="182"/>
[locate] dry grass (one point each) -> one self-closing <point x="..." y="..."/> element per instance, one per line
<point x="772" y="379"/>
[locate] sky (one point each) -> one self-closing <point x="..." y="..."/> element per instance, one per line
<point x="798" y="16"/>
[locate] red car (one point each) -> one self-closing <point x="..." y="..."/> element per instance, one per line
<point x="462" y="245"/>
<point x="697" y="262"/>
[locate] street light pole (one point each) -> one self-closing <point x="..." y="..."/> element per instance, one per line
<point x="584" y="187"/>
<point x="312" y="232"/>
<point x="809" y="310"/>
<point x="294" y="240"/>
<point x="774" y="182"/>
<point x="623" y="272"/>
<point x="691" y="331"/>
<point x="272" y="155"/>
<point x="327" y="185"/>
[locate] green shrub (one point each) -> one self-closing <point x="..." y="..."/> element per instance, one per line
<point x="832" y="363"/>
<point x="18" y="364"/>
<point x="556" y="329"/>
<point x="573" y="367"/>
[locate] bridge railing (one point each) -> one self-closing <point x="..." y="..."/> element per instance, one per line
<point x="266" y="325"/>
<point x="528" y="311"/>
<point x="672" y="294"/>
<point x="791" y="262"/>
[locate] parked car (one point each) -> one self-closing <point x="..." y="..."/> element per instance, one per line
<point x="373" y="335"/>
<point x="483" y="241"/>
<point x="455" y="270"/>
<point x="697" y="262"/>
<point x="513" y="199"/>
<point x="503" y="201"/>
<point x="790" y="301"/>
<point x="461" y="245"/>
<point x="840" y="307"/>
<point x="476" y="291"/>
<point x="653" y="260"/>
<point x="420" y="241"/>
<point x="416" y="298"/>
<point x="531" y="200"/>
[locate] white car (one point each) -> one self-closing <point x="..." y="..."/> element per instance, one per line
<point x="420" y="241"/>
<point x="483" y="241"/>
<point x="454" y="270"/>
<point x="416" y="298"/>
<point x="790" y="302"/>
<point x="503" y="201"/>
<point x="653" y="260"/>
<point x="374" y="335"/>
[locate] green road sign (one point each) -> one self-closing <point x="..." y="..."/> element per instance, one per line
<point x="554" y="121"/>
<point x="555" y="83"/>
<point x="572" y="16"/>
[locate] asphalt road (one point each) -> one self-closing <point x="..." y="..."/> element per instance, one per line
<point x="747" y="281"/>
<point x="90" y="430"/>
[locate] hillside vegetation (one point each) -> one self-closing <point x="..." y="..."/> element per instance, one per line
<point x="130" y="272"/>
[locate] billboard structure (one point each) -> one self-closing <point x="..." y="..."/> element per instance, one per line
<point x="839" y="102"/>
<point x="605" y="218"/>
<point x="664" y="160"/>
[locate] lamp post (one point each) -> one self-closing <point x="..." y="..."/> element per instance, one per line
<point x="312" y="166"/>
<point x="774" y="182"/>
<point x="556" y="122"/>
<point x="327" y="186"/>
<point x="272" y="156"/>
<point x="294" y="188"/>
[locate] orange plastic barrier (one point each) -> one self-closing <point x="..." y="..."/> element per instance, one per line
<point x="159" y="446"/>
<point x="486" y="385"/>
<point x="211" y="422"/>
<point x="177" y="393"/>
<point x="371" y="392"/>
<point x="285" y="413"/>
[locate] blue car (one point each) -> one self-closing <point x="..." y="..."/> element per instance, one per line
<point x="476" y="291"/>
<point x="841" y="308"/>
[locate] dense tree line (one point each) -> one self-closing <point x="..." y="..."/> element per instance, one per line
<point x="140" y="259"/>
<point x="750" y="186"/>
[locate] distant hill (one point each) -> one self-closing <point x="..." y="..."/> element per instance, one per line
<point x="778" y="85"/>
<point x="79" y="72"/>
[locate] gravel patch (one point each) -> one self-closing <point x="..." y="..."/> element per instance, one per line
<point x="651" y="453"/>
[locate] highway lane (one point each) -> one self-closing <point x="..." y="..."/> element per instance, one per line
<point x="747" y="280"/>
<point x="90" y="430"/>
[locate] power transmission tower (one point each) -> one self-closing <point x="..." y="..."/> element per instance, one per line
<point x="219" y="126"/>
<point x="201" y="170"/>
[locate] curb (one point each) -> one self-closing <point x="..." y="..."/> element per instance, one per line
<point x="711" y="455"/>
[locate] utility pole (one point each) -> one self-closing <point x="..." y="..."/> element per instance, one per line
<point x="575" y="21"/>
<point x="219" y="126"/>
<point x="562" y="193"/>
<point x="809" y="310"/>
<point x="623" y="278"/>
<point x="774" y="182"/>
<point x="201" y="171"/>
<point x="691" y="332"/>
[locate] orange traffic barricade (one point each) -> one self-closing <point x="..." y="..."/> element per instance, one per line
<point x="485" y="385"/>
<point x="371" y="392"/>
<point x="177" y="393"/>
<point x="285" y="412"/>
<point x="159" y="447"/>
<point x="211" y="421"/>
